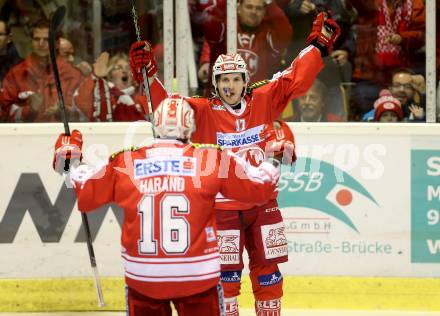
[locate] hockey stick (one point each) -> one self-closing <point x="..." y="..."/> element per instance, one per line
<point x="345" y="88"/>
<point x="344" y="91"/>
<point x="55" y="24"/>
<point x="144" y="72"/>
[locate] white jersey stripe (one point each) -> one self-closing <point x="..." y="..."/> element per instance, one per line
<point x="223" y="200"/>
<point x="171" y="260"/>
<point x="166" y="276"/>
<point x="192" y="269"/>
<point x="174" y="279"/>
<point x="305" y="51"/>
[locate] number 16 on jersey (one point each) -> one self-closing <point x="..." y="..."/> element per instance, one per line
<point x="174" y="229"/>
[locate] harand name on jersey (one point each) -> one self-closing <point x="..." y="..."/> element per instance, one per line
<point x="165" y="184"/>
<point x="231" y="140"/>
<point x="164" y="166"/>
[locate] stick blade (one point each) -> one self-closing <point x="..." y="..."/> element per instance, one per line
<point x="57" y="17"/>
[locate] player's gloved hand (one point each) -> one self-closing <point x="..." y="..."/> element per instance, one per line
<point x="278" y="145"/>
<point x="282" y="150"/>
<point x="266" y="171"/>
<point x="269" y="171"/>
<point x="141" y="56"/>
<point x="67" y="148"/>
<point x="325" y="32"/>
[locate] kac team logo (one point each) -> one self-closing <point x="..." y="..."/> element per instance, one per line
<point x="309" y="184"/>
<point x="252" y="154"/>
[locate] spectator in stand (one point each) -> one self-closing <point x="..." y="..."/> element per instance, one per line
<point x="8" y="53"/>
<point x="337" y="66"/>
<point x="9" y="57"/>
<point x="67" y="51"/>
<point x="29" y="91"/>
<point x="389" y="35"/>
<point x="302" y="13"/>
<point x="197" y="12"/>
<point x="263" y="33"/>
<point x="109" y="94"/>
<point x="409" y="89"/>
<point x="312" y="105"/>
<point x="387" y="108"/>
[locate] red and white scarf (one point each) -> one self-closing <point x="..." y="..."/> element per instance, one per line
<point x="387" y="54"/>
<point x="103" y="93"/>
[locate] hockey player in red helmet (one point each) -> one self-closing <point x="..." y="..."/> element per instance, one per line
<point x="237" y="117"/>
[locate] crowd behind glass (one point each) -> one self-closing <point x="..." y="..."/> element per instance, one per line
<point x="376" y="71"/>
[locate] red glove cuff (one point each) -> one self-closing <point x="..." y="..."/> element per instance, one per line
<point x="141" y="57"/>
<point x="67" y="148"/>
<point x="280" y="142"/>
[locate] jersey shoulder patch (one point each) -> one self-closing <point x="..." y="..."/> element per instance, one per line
<point x="114" y="155"/>
<point x="257" y="84"/>
<point x="202" y="146"/>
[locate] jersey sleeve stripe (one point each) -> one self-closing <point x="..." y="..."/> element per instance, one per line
<point x="305" y="51"/>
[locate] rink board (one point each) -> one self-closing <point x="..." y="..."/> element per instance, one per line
<point x="362" y="217"/>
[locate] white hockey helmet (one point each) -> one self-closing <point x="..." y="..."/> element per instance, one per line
<point x="174" y="118"/>
<point x="229" y="63"/>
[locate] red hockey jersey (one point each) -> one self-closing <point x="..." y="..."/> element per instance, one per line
<point x="217" y="123"/>
<point x="167" y="191"/>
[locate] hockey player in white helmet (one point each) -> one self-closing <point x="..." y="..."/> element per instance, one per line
<point x="236" y="118"/>
<point x="230" y="78"/>
<point x="174" y="119"/>
<point x="169" y="243"/>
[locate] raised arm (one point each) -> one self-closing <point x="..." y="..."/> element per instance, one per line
<point x="94" y="186"/>
<point x="142" y="57"/>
